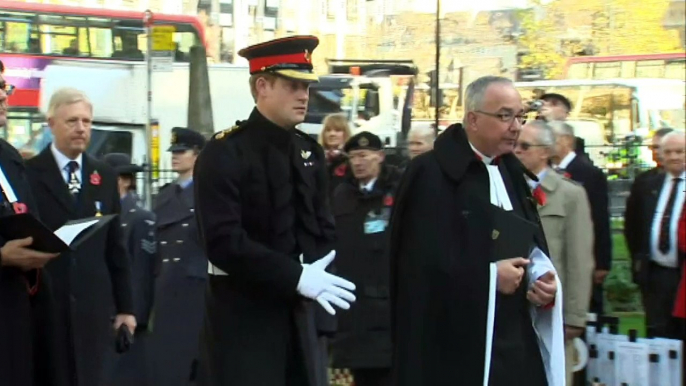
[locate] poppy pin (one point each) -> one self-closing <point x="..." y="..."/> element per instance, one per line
<point x="95" y="178"/>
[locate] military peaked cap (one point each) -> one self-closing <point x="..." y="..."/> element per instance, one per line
<point x="289" y="57"/>
<point x="185" y="139"/>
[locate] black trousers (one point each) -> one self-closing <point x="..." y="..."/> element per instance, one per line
<point x="596" y="306"/>
<point x="372" y="377"/>
<point x="659" y="293"/>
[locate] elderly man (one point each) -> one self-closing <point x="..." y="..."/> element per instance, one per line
<point x="92" y="283"/>
<point x="580" y="169"/>
<point x="568" y="227"/>
<point x="632" y="225"/>
<point x="362" y="208"/>
<point x="445" y="274"/>
<point x="420" y="140"/>
<point x="656" y="259"/>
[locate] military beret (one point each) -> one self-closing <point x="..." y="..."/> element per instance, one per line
<point x="289" y="57"/>
<point x="363" y="141"/>
<point x="185" y="139"/>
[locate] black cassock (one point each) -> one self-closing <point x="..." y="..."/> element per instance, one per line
<point x="441" y="251"/>
<point x="23" y="327"/>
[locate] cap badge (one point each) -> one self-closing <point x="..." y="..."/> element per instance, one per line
<point x="308" y="56"/>
<point x="173" y="138"/>
<point x="363" y="141"/>
<point x="305" y="154"/>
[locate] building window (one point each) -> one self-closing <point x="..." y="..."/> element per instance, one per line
<point x="352" y="9"/>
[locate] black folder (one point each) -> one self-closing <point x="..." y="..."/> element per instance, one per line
<point x="512" y="235"/>
<point x="19" y="226"/>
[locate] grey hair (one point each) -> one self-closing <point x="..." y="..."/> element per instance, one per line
<point x="544" y="133"/>
<point x="66" y="96"/>
<point x="427" y="133"/>
<point x="668" y="137"/>
<point x="474" y="96"/>
<point x="562" y="128"/>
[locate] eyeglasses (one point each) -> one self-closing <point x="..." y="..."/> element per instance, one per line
<point x="526" y="145"/>
<point x="506" y="117"/>
<point x="8" y="88"/>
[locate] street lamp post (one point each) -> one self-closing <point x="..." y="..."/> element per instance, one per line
<point x="437" y="81"/>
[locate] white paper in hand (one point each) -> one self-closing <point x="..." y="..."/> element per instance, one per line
<point x="68" y="233"/>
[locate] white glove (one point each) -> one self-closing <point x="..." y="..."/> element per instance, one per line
<point x="317" y="284"/>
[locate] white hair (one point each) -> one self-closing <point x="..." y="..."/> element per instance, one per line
<point x="669" y="136"/>
<point x="428" y="133"/>
<point x="544" y="133"/>
<point x="474" y="96"/>
<point x="66" y="96"/>
<point x="562" y="128"/>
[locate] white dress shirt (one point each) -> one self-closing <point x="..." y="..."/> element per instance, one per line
<point x="567" y="160"/>
<point x="369" y="186"/>
<point x="670" y="258"/>
<point x="62" y="161"/>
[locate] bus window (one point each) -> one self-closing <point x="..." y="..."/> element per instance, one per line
<point x="16" y="33"/>
<point x="106" y="141"/>
<point x="60" y="36"/>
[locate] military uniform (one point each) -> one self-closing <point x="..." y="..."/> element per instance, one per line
<point x="138" y="232"/>
<point x="262" y="202"/>
<point x="181" y="283"/>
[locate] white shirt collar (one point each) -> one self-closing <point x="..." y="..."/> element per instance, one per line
<point x="485" y="159"/>
<point x="369" y="186"/>
<point x="567" y="160"/>
<point x="62" y="160"/>
<point x="672" y="177"/>
<point x="534" y="184"/>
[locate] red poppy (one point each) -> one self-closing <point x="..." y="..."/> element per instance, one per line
<point x="340" y="170"/>
<point x="539" y="196"/>
<point x="20" y="207"/>
<point x="567" y="175"/>
<point x="95" y="178"/>
<point x="388" y="200"/>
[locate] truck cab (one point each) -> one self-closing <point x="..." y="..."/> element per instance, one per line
<point x="369" y="93"/>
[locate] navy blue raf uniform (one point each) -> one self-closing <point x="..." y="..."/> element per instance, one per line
<point x="362" y="214"/>
<point x="180" y="287"/>
<point x="262" y="202"/>
<point x="138" y="232"/>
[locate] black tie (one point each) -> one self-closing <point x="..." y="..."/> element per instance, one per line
<point x="74" y="184"/>
<point x="667" y="218"/>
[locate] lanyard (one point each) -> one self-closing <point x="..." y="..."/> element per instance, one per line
<point x="7" y="190"/>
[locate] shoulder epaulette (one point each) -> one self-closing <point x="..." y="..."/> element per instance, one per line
<point x="232" y="129"/>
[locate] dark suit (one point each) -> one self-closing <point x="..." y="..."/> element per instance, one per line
<point x="658" y="284"/>
<point x="595" y="182"/>
<point x="93" y="283"/>
<point x="632" y="213"/>
<point x="180" y="287"/>
<point x="21" y="332"/>
<point x="138" y="231"/>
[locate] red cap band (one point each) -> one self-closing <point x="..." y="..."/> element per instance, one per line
<point x="262" y="63"/>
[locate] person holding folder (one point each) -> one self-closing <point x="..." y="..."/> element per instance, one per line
<point x="93" y="283"/>
<point x="566" y="217"/>
<point x="20" y="272"/>
<point x="473" y="292"/>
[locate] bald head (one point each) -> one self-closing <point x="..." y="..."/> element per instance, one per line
<point x="420" y="140"/>
<point x="673" y="153"/>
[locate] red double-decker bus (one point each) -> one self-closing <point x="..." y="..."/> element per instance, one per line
<point x="667" y="66"/>
<point x="33" y="35"/>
